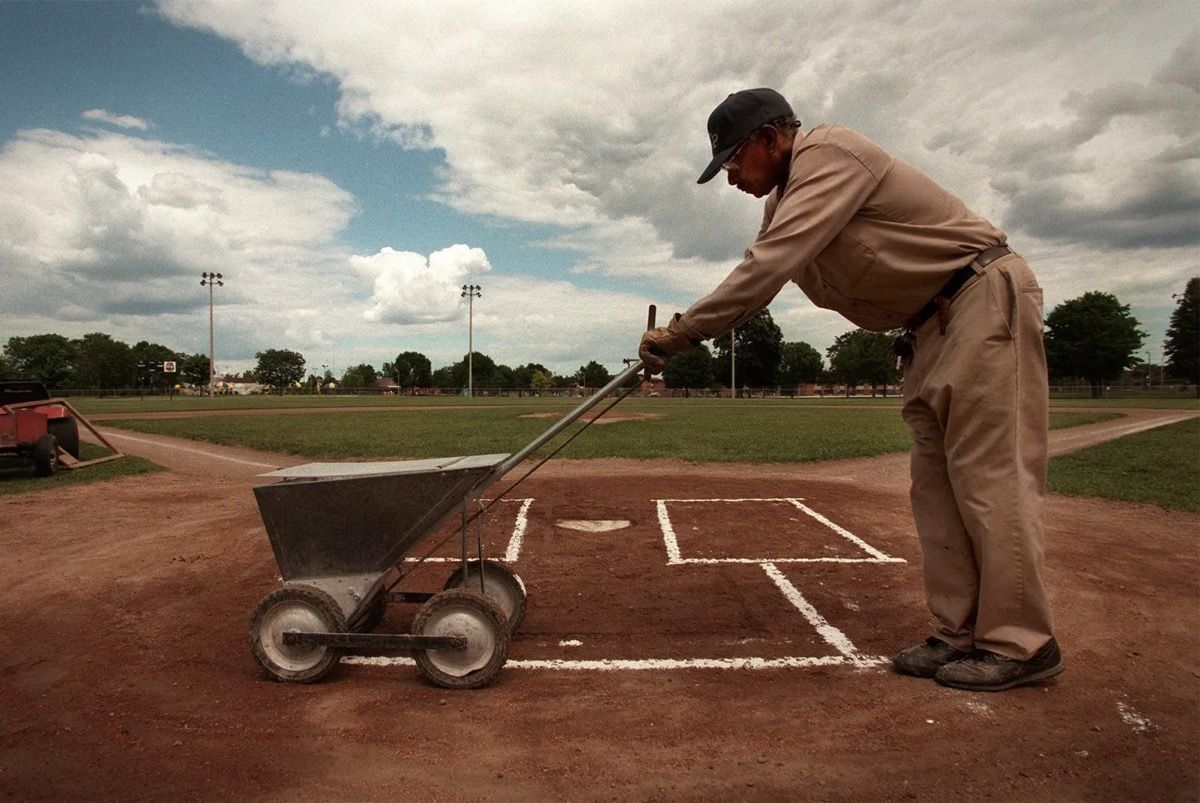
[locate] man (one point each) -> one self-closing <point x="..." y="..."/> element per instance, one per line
<point x="869" y="236"/>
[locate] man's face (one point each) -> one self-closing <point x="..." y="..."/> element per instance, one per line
<point x="755" y="167"/>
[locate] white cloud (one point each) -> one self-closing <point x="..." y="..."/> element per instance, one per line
<point x="118" y="120"/>
<point x="1072" y="125"/>
<point x="590" y="116"/>
<point x="121" y="227"/>
<point x="408" y="288"/>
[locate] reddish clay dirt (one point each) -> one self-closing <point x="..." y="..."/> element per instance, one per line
<point x="127" y="674"/>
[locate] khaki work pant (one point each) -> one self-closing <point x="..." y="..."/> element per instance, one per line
<point x="977" y="401"/>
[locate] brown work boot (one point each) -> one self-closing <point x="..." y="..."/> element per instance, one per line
<point x="987" y="671"/>
<point x="924" y="660"/>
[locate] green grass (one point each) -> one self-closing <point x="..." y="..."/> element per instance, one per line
<point x="155" y="404"/>
<point x="693" y="430"/>
<point x="1158" y="467"/>
<point x="89" y="405"/>
<point x="1140" y="403"/>
<point x="16" y="478"/>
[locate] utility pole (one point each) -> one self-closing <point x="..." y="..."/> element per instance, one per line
<point x="470" y="292"/>
<point x="209" y="279"/>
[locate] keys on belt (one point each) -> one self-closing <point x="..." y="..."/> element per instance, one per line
<point x="902" y="346"/>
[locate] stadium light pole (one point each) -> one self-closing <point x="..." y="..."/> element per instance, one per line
<point x="470" y="292"/>
<point x="209" y="279"/>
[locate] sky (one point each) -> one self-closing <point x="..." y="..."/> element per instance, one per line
<point x="348" y="166"/>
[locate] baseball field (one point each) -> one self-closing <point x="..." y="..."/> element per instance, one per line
<point x="714" y="587"/>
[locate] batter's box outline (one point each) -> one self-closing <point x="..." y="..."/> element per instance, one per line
<point x="675" y="556"/>
<point x="515" y="539"/>
<point x="847" y="654"/>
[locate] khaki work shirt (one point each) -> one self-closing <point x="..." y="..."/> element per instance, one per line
<point x="860" y="232"/>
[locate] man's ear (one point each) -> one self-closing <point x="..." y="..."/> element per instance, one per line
<point x="771" y="138"/>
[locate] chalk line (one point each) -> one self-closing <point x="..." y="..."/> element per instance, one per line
<point x="213" y="455"/>
<point x="647" y="664"/>
<point x="836" y="638"/>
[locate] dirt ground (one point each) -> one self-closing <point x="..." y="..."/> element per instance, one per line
<point x="699" y="652"/>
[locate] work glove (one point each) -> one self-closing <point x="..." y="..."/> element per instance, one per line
<point x="661" y="344"/>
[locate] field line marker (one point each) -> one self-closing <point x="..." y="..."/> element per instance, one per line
<point x="645" y="664"/>
<point x="836" y="638"/>
<point x="518" y="534"/>
<point x="844" y="533"/>
<point x="215" y="456"/>
<point x="669" y="539"/>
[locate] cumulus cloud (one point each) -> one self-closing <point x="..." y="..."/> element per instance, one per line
<point x="118" y="120"/>
<point x="613" y="143"/>
<point x="1071" y="125"/>
<point x="112" y="231"/>
<point x="1120" y="170"/>
<point x="408" y="288"/>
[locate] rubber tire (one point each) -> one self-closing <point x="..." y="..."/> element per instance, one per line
<point x="489" y="612"/>
<point x="45" y="456"/>
<point x="494" y="572"/>
<point x="371" y="619"/>
<point x="66" y="432"/>
<point x="318" y="602"/>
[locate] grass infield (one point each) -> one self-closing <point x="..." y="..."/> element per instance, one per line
<point x="1158" y="467"/>
<point x="692" y="430"/>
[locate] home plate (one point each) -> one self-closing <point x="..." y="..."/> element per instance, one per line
<point x="593" y="525"/>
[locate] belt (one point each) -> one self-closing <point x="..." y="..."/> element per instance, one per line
<point x="940" y="303"/>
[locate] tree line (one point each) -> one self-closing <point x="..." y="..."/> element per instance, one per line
<point x="1092" y="338"/>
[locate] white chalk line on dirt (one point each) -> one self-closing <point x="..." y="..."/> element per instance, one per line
<point x="849" y="655"/>
<point x="644" y="664"/>
<point x="513" y="551"/>
<point x="834" y="637"/>
<point x="110" y="434"/>
<point x="675" y="555"/>
<point x="844" y="533"/>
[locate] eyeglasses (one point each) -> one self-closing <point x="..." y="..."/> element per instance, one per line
<point x="731" y="162"/>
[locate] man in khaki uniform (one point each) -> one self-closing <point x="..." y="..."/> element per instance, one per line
<point x="869" y="236"/>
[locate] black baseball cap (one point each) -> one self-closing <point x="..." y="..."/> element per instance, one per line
<point x="739" y="116"/>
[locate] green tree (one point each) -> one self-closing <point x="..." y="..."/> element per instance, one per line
<point x="800" y="363"/>
<point x="7" y="370"/>
<point x="541" y="380"/>
<point x="101" y="362"/>
<point x="193" y="369"/>
<point x="593" y="375"/>
<point x="523" y="374"/>
<point x="503" y="377"/>
<point x="860" y="356"/>
<point x="359" y="376"/>
<point x="759" y="349"/>
<point x="1093" y="337"/>
<point x="48" y="358"/>
<point x="691" y="369"/>
<point x="482" y="368"/>
<point x="151" y="356"/>
<point x="1182" y="346"/>
<point x="443" y="378"/>
<point x="411" y="369"/>
<point x="279" y="367"/>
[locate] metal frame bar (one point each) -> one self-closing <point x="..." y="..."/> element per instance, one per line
<point x="382" y="641"/>
<point x="64" y="459"/>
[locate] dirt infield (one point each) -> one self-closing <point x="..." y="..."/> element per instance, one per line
<point x="725" y="644"/>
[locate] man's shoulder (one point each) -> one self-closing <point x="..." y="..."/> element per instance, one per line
<point x="862" y="148"/>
